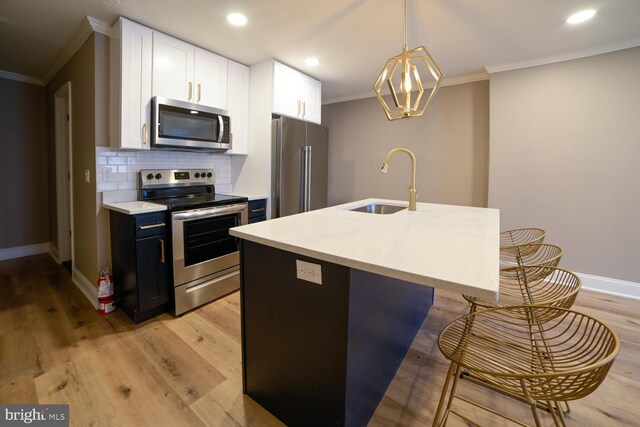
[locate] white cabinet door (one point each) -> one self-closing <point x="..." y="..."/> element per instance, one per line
<point x="238" y="106"/>
<point x="286" y="88"/>
<point x="295" y="94"/>
<point x="131" y="53"/>
<point x="173" y="62"/>
<point x="311" y="96"/>
<point x="210" y="79"/>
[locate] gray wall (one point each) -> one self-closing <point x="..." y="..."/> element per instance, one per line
<point x="24" y="206"/>
<point x="450" y="141"/>
<point x="565" y="156"/>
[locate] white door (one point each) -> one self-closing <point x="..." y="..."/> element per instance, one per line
<point x="286" y="89"/>
<point x="311" y="95"/>
<point x="238" y="106"/>
<point x="172" y="68"/>
<point x="135" y="114"/>
<point x="64" y="194"/>
<point x="210" y="82"/>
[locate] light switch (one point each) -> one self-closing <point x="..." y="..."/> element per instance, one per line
<point x="87" y="176"/>
<point x="309" y="272"/>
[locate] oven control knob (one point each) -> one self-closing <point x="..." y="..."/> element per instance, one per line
<point x="158" y="176"/>
<point x="209" y="175"/>
<point x="203" y="175"/>
<point x="150" y="176"/>
<point x="197" y="175"/>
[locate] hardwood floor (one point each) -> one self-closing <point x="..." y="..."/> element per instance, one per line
<point x="186" y="371"/>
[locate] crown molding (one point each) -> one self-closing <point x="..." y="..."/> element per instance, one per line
<point x="458" y="80"/>
<point x="84" y="31"/>
<point x="21" y="78"/>
<point x="498" y="68"/>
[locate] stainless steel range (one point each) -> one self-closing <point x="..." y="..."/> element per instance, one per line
<point x="205" y="257"/>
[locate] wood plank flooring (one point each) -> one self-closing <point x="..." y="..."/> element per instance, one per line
<point x="186" y="371"/>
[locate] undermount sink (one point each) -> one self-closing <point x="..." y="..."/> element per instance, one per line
<point x="378" y="208"/>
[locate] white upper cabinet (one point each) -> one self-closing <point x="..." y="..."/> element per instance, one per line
<point x="188" y="73"/>
<point x="311" y="96"/>
<point x="210" y="79"/>
<point x="130" y="74"/>
<point x="238" y="106"/>
<point x="295" y="94"/>
<point x="172" y="67"/>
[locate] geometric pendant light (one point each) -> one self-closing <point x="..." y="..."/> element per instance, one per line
<point x="409" y="64"/>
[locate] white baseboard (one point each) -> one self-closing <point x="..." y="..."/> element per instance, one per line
<point x="607" y="285"/>
<point x="53" y="251"/>
<point x="86" y="287"/>
<point x="20" y="251"/>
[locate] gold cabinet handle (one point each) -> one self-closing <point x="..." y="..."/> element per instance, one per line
<point x="256" y="210"/>
<point x="162" y="251"/>
<point x="304" y="108"/>
<point x="144" y="134"/>
<point x="231" y="141"/>
<point x="199" y="92"/>
<point x="146" y="227"/>
<point x="190" y="91"/>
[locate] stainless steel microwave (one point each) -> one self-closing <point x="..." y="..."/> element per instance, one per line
<point x="184" y="126"/>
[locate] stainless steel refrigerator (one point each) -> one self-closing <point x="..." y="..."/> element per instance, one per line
<point x="299" y="164"/>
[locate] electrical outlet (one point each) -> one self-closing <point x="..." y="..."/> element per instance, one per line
<point x="309" y="272"/>
<point x="87" y="176"/>
<point x="106" y="174"/>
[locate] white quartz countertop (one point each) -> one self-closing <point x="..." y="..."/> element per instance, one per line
<point x="135" y="208"/>
<point x="443" y="246"/>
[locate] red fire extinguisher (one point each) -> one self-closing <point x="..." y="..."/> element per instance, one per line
<point x="106" y="301"/>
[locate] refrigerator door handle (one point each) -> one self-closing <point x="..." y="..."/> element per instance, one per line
<point x="308" y="191"/>
<point x="305" y="177"/>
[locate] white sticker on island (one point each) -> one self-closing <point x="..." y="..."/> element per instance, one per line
<point x="309" y="271"/>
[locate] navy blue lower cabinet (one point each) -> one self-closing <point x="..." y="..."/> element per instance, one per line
<point x="140" y="257"/>
<point x="257" y="210"/>
<point x="323" y="354"/>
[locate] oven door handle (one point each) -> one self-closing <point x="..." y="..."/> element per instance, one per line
<point x="209" y="212"/>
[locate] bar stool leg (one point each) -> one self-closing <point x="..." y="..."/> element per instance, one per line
<point x="450" y="373"/>
<point x="532" y="403"/>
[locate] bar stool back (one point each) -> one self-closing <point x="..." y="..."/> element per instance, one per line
<point x="533" y="284"/>
<point x="531" y="254"/>
<point x="538" y="354"/>
<point x="520" y="236"/>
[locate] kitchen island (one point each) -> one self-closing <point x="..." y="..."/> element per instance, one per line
<point x="332" y="300"/>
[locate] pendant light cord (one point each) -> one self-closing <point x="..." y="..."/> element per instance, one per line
<point x="406" y="45"/>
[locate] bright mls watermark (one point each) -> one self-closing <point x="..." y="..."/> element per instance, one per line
<point x="35" y="415"/>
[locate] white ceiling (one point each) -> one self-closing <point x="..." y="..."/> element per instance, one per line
<point x="352" y="38"/>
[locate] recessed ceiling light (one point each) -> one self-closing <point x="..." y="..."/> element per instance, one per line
<point x="312" y="61"/>
<point x="237" y="19"/>
<point x="582" y="16"/>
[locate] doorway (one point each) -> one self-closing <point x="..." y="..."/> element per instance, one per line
<point x="64" y="178"/>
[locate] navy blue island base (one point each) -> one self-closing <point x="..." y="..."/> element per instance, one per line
<point x="322" y="354"/>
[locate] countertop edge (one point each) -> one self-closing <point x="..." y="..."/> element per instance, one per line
<point x="373" y="268"/>
<point x="118" y="207"/>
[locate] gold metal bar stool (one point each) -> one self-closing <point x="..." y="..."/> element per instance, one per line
<point x="562" y="355"/>
<point x="533" y="284"/>
<point x="521" y="236"/>
<point x="531" y="254"/>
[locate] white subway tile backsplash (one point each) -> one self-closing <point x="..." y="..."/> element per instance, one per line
<point x="126" y="185"/>
<point x="107" y="186"/>
<point x="117" y="161"/>
<point x="119" y="196"/>
<point x="125" y="166"/>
